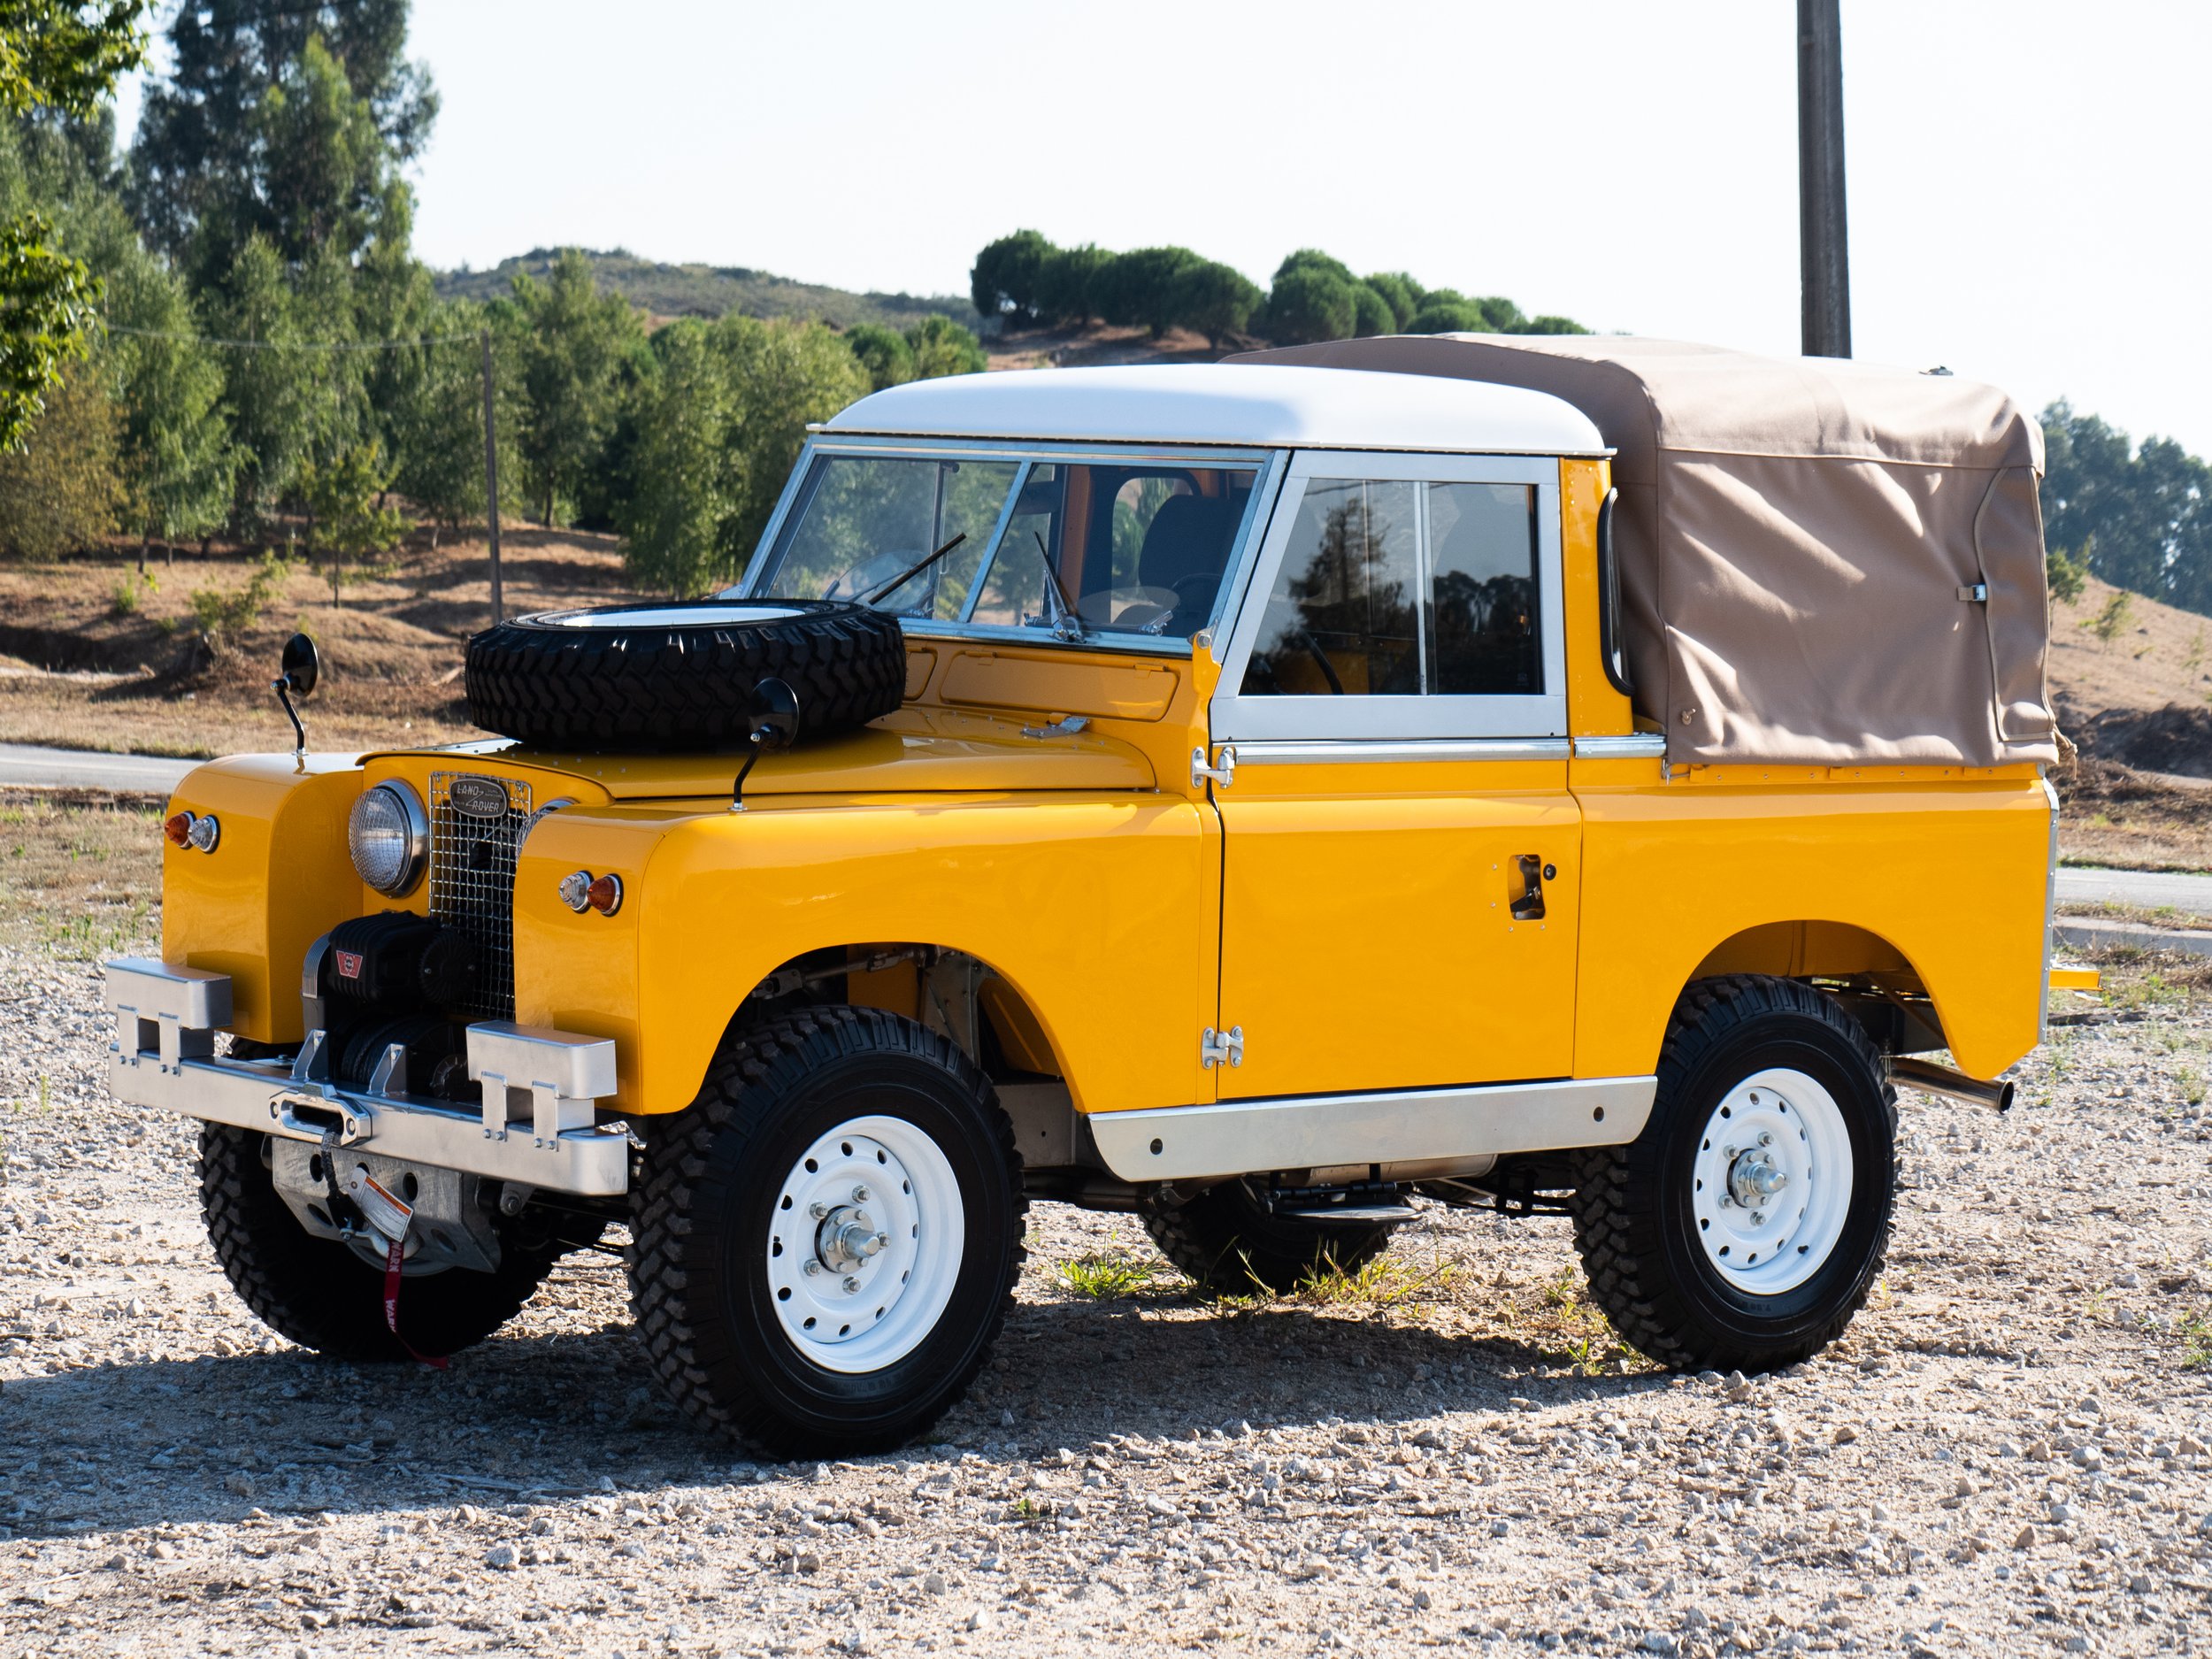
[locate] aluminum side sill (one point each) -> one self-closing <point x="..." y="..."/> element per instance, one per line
<point x="1305" y="1131"/>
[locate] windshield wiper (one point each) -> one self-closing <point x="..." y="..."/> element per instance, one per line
<point x="910" y="573"/>
<point x="1060" y="616"/>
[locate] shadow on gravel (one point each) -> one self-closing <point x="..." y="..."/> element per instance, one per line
<point x="525" y="1419"/>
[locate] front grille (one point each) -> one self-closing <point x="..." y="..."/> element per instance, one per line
<point x="472" y="881"/>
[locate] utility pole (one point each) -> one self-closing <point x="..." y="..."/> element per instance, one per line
<point x="491" y="482"/>
<point x="1823" y="244"/>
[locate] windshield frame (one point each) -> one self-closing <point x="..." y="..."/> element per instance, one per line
<point x="1268" y="464"/>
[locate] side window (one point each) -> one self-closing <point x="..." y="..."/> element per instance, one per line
<point x="1341" y="620"/>
<point x="1480" y="634"/>
<point x="1394" y="588"/>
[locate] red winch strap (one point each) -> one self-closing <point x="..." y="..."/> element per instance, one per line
<point x="393" y="1258"/>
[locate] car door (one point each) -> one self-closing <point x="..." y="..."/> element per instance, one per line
<point x="1399" y="851"/>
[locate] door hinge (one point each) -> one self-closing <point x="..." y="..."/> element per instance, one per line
<point x="1221" y="776"/>
<point x="1215" y="1047"/>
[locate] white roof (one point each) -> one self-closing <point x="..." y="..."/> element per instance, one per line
<point x="1232" y="403"/>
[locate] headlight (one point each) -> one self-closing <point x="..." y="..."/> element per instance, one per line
<point x="389" y="837"/>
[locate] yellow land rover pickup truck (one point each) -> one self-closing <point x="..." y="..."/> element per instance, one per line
<point x="1544" y="775"/>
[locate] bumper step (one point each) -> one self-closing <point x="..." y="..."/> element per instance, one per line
<point x="537" y="1122"/>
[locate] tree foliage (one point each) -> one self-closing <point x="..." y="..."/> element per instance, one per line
<point x="575" y="345"/>
<point x="350" y="525"/>
<point x="200" y="161"/>
<point x="939" y="346"/>
<point x="62" y="490"/>
<point x="883" y="354"/>
<point x="720" y="426"/>
<point x="1005" y="280"/>
<point x="61" y="58"/>
<point x="2138" y="518"/>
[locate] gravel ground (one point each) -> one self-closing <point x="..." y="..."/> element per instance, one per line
<point x="2006" y="1454"/>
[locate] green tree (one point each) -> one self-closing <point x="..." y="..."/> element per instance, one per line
<point x="1314" y="259"/>
<point x="719" y="425"/>
<point x="178" y="462"/>
<point x="882" y="353"/>
<point x="692" y="477"/>
<point x="439" y="421"/>
<point x="1310" y="304"/>
<point x="575" y="342"/>
<point x="1371" y="311"/>
<point x="1216" y="299"/>
<point x="269" y="390"/>
<point x="1139" y="287"/>
<point x="1401" y="292"/>
<point x="940" y="346"/>
<point x="2142" y="516"/>
<point x="1067" y="284"/>
<point x="199" y="161"/>
<point x="61" y="491"/>
<point x="2066" y="574"/>
<point x="62" y="58"/>
<point x="2112" y="618"/>
<point x="351" y="527"/>
<point x="1004" y="281"/>
<point x="1447" y="316"/>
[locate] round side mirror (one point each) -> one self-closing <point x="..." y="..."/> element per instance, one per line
<point x="302" y="664"/>
<point x="774" y="715"/>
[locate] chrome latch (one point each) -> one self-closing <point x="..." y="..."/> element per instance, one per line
<point x="1215" y="1048"/>
<point x="1221" y="776"/>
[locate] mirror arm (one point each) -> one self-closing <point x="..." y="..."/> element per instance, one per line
<point x="282" y="687"/>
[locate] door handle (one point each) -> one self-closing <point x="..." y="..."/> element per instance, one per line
<point x="1529" y="905"/>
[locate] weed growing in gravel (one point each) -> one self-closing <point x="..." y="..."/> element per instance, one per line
<point x="1110" y="1277"/>
<point x="1574" y="1331"/>
<point x="2196" y="1341"/>
<point x="1383" y="1282"/>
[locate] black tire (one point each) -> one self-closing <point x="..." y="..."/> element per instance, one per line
<point x="1635" y="1224"/>
<point x="707" y="1204"/>
<point x="617" y="678"/>
<point x="317" y="1292"/>
<point x="1223" y="1239"/>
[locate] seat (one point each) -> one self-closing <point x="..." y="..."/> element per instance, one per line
<point x="1185" y="549"/>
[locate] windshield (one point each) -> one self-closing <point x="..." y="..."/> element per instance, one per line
<point x="1077" y="549"/>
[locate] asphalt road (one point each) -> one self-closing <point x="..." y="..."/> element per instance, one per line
<point x="85" y="769"/>
<point x="2150" y="888"/>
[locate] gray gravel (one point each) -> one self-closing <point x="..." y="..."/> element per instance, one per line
<point x="2008" y="1454"/>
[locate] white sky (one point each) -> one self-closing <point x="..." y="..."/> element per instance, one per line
<point x="2026" y="197"/>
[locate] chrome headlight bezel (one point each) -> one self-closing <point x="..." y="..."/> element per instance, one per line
<point x="412" y="824"/>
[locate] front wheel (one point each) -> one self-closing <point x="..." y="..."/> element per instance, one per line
<point x="1747" y="1223"/>
<point x="826" y="1242"/>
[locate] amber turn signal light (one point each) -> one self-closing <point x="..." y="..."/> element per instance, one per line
<point x="178" y="827"/>
<point x="582" y="891"/>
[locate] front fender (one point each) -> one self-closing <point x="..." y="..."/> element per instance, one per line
<point x="1090" y="905"/>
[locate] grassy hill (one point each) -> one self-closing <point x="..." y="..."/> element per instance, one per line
<point x="704" y="290"/>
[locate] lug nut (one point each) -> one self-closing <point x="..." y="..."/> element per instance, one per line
<point x="813" y="1268"/>
<point x="1765" y="1140"/>
<point x="821" y="1212"/>
<point x="860" y="1194"/>
<point x="882" y="1241"/>
<point x="1758" y="1217"/>
<point x="851" y="1284"/>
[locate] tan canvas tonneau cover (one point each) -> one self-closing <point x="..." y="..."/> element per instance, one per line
<point x="1794" y="537"/>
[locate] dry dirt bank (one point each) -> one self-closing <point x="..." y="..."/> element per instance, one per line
<point x="2008" y="1454"/>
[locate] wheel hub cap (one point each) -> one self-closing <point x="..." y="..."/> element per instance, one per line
<point x="1772" y="1182"/>
<point x="864" y="1244"/>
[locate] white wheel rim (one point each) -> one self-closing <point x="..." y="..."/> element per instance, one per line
<point x="1773" y="1182"/>
<point x="874" y="1207"/>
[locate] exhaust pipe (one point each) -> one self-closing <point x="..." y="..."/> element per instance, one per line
<point x="1940" y="1080"/>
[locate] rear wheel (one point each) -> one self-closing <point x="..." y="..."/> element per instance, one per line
<point x="1747" y="1223"/>
<point x="317" y="1292"/>
<point x="1228" y="1242"/>
<point x="826" y="1242"/>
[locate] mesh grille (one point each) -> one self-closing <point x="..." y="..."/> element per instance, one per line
<point x="472" y="880"/>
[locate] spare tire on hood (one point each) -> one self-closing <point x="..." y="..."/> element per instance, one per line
<point x="680" y="676"/>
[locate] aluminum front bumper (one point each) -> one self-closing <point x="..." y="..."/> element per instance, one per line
<point x="536" y="1124"/>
